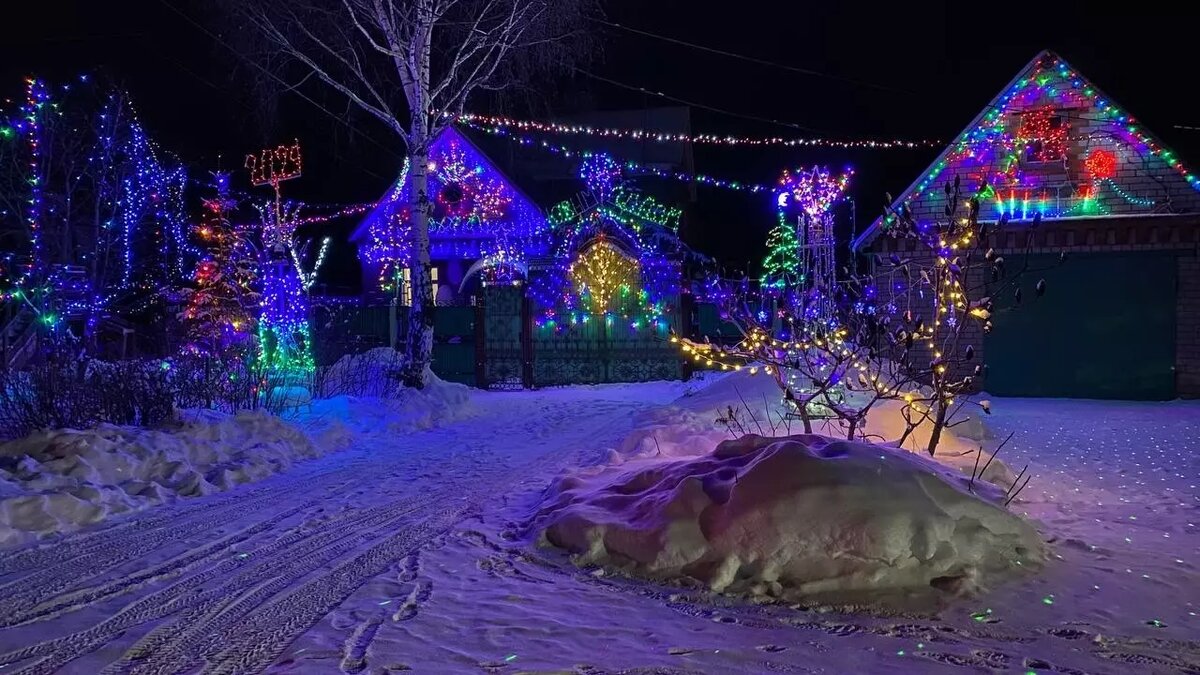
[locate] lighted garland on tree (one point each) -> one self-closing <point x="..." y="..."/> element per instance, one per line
<point x="909" y="345"/>
<point x="220" y="313"/>
<point x="284" y="333"/>
<point x="615" y="257"/>
<point x="122" y="241"/>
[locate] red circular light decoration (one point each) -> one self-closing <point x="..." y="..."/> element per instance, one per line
<point x="1101" y="164"/>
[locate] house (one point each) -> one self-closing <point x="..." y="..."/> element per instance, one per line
<point x="479" y="221"/>
<point x="1121" y="318"/>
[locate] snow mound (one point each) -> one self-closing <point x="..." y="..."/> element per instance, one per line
<point x="801" y="517"/>
<point x="58" y="481"/>
<point x="373" y="373"/>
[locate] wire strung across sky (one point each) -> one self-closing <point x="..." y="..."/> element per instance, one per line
<point x="753" y="59"/>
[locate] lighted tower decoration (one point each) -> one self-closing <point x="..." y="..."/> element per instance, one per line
<point x="220" y="314"/>
<point x="806" y="199"/>
<point x="285" y="338"/>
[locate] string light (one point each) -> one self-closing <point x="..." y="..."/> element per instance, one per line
<point x="273" y="166"/>
<point x="612" y="258"/>
<point x="218" y="314"/>
<point x="599" y="272"/>
<point x="309" y="278"/>
<point x="993" y="150"/>
<point x="475" y="214"/>
<point x="284" y="334"/>
<point x="629" y="167"/>
<point x="140" y="245"/>
<point x="497" y="122"/>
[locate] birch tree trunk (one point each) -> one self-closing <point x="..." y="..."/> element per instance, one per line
<point x="420" y="317"/>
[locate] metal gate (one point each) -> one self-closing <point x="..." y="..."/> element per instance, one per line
<point x="514" y="353"/>
<point x="503" y="360"/>
<point x="604" y="350"/>
<point x="1105" y="329"/>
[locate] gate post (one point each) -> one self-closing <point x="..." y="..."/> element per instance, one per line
<point x="688" y="329"/>
<point x="526" y="341"/>
<point x="480" y="344"/>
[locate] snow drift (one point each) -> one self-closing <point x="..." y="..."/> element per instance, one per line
<point x="58" y="481"/>
<point x="800" y="517"/>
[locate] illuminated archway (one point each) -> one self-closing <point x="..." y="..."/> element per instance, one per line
<point x="604" y="276"/>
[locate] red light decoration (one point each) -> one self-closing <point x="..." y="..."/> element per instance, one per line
<point x="272" y="166"/>
<point x="1101" y="164"/>
<point x="1045" y="135"/>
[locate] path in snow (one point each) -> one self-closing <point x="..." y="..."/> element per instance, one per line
<point x="227" y="582"/>
<point x="1115" y="485"/>
<point x="402" y="553"/>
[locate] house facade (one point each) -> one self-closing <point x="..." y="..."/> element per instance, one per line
<point x="1121" y="318"/>
<point x="480" y="224"/>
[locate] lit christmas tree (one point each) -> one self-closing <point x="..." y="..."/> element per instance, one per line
<point x="220" y="312"/>
<point x="781" y="267"/>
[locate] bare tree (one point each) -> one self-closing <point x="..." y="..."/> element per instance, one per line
<point x="910" y="343"/>
<point x="413" y="64"/>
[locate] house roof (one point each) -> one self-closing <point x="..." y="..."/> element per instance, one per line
<point x="982" y="131"/>
<point x="394" y="193"/>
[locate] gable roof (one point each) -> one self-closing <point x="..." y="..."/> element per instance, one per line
<point x="448" y="137"/>
<point x="986" y="144"/>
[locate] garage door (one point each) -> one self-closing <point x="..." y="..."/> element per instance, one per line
<point x="1104" y="329"/>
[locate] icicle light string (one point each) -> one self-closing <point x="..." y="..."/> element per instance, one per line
<point x="495" y="122"/>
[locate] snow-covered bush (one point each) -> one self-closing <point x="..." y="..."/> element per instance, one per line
<point x="376" y="373"/>
<point x="77" y="393"/>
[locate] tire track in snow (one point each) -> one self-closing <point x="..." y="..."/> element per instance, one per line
<point x="129" y="535"/>
<point x="237" y="614"/>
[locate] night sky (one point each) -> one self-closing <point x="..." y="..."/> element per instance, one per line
<point x="888" y="72"/>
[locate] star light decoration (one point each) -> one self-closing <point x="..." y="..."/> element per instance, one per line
<point x="469" y="196"/>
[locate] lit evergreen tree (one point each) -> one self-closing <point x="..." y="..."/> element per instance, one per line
<point x="221" y="309"/>
<point x="782" y="266"/>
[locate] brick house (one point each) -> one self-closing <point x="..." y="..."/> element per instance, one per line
<point x="1121" y="318"/>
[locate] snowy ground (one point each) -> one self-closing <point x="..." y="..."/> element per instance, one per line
<point x="403" y="552"/>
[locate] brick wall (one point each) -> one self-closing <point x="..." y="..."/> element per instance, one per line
<point x="1139" y="175"/>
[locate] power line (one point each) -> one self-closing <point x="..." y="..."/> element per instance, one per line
<point x="694" y="104"/>
<point x="753" y="59"/>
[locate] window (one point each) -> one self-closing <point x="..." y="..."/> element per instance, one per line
<point x="406" y="296"/>
<point x="1043" y="134"/>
